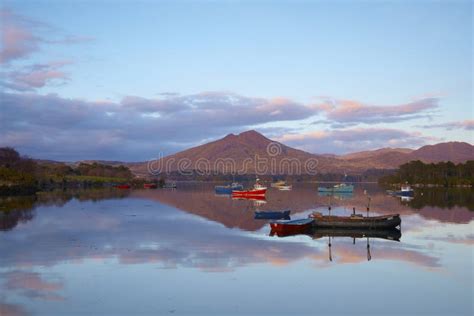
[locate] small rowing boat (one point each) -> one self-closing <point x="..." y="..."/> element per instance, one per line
<point x="291" y="227"/>
<point x="227" y="189"/>
<point x="356" y="221"/>
<point x="272" y="214"/>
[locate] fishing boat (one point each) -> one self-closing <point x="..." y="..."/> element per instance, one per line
<point x="291" y="227"/>
<point x="405" y="190"/>
<point x="227" y="189"/>
<point x="170" y="185"/>
<point x="338" y="188"/>
<point x="123" y="186"/>
<point x="278" y="184"/>
<point x="272" y="214"/>
<point x="355" y="221"/>
<point x="150" y="186"/>
<point x="258" y="189"/>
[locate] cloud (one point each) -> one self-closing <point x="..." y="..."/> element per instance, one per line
<point x="17" y="35"/>
<point x="21" y="36"/>
<point x="36" y="76"/>
<point x="354" y="139"/>
<point x="344" y="112"/>
<point x="134" y="128"/>
<point x="467" y="125"/>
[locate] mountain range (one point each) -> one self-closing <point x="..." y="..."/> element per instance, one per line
<point x="243" y="149"/>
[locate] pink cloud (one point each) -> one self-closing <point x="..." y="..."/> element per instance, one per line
<point x="349" y="111"/>
<point x="17" y="37"/>
<point x="467" y="125"/>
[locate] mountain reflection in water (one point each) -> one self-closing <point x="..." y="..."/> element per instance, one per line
<point x="50" y="241"/>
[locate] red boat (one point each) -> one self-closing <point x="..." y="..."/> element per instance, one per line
<point x="291" y="227"/>
<point x="247" y="193"/>
<point x="123" y="186"/>
<point x="150" y="186"/>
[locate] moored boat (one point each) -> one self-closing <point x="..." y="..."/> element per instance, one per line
<point x="405" y="190"/>
<point x="277" y="184"/>
<point x="285" y="188"/>
<point x="170" y="185"/>
<point x="123" y="186"/>
<point x="356" y="221"/>
<point x="150" y="186"/>
<point x="291" y="227"/>
<point x="338" y="188"/>
<point x="227" y="189"/>
<point x="272" y="214"/>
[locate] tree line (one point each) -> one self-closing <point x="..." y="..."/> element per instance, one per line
<point x="23" y="175"/>
<point x="446" y="174"/>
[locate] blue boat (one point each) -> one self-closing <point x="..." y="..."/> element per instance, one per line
<point x="338" y="188"/>
<point x="272" y="214"/>
<point x="406" y="190"/>
<point x="227" y="189"/>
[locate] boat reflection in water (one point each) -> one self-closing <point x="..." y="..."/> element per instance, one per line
<point x="392" y="234"/>
<point x="337" y="195"/>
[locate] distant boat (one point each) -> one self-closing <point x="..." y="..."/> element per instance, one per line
<point x="171" y="185"/>
<point x="258" y="189"/>
<point x="227" y="189"/>
<point x="291" y="227"/>
<point x="405" y="190"/>
<point x="272" y="214"/>
<point x="356" y="221"/>
<point x="285" y="187"/>
<point x="150" y="186"/>
<point x="258" y="186"/>
<point x="123" y="186"/>
<point x="278" y="184"/>
<point x="338" y="188"/>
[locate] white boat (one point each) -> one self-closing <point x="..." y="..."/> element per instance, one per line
<point x="285" y="187"/>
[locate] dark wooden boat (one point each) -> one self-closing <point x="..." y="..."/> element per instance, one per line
<point x="150" y="186"/>
<point x="272" y="214"/>
<point x="356" y="221"/>
<point x="389" y="234"/>
<point x="122" y="186"/>
<point x="291" y="227"/>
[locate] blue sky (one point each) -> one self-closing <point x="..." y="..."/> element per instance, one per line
<point x="348" y="75"/>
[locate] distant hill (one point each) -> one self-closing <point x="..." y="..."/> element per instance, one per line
<point x="244" y="147"/>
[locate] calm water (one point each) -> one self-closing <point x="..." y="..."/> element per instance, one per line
<point x="188" y="251"/>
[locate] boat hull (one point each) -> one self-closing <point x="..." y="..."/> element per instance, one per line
<point x="376" y="222"/>
<point x="291" y="227"/>
<point x="404" y="193"/>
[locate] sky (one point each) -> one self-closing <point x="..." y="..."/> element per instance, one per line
<point x="133" y="80"/>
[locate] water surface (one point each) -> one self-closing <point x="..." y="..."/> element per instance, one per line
<point x="188" y="251"/>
